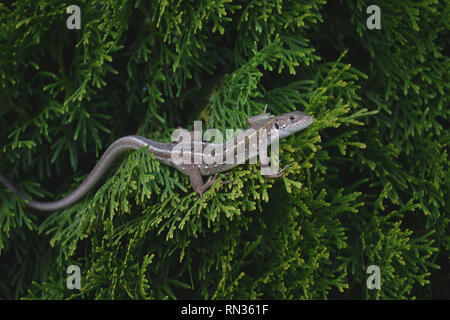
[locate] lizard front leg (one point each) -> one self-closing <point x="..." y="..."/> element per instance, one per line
<point x="197" y="181"/>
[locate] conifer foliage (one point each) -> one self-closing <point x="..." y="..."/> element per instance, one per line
<point x="368" y="182"/>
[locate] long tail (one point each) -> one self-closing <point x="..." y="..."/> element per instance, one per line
<point x="115" y="149"/>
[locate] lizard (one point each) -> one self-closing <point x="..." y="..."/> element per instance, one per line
<point x="286" y="124"/>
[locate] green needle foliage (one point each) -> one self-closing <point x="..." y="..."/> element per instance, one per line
<point x="368" y="182"/>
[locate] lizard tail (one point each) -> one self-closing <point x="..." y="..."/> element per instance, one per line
<point x="114" y="150"/>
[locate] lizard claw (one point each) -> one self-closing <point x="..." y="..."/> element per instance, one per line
<point x="226" y="182"/>
<point x="278" y="174"/>
<point x="211" y="180"/>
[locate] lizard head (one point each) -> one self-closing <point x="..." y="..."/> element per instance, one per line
<point x="289" y="123"/>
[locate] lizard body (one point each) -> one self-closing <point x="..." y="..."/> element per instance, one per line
<point x="286" y="124"/>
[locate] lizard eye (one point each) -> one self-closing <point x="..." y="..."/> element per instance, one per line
<point x="292" y="118"/>
<point x="277" y="125"/>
